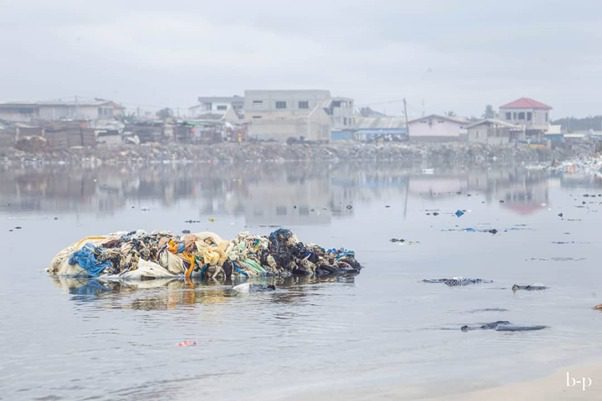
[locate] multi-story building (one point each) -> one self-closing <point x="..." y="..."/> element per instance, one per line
<point x="530" y="114"/>
<point x="282" y="115"/>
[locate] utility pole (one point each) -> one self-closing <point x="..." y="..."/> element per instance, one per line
<point x="405" y="112"/>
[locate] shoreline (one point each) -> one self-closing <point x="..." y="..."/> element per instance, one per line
<point x="550" y="387"/>
<point x="406" y="153"/>
<point x="573" y="382"/>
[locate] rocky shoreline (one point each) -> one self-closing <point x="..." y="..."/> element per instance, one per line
<point x="407" y="153"/>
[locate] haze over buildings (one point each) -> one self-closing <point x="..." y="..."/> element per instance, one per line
<point x="437" y="54"/>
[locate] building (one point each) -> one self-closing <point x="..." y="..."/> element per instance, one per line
<point x="282" y="115"/>
<point x="437" y="128"/>
<point x="76" y="109"/>
<point x="218" y="105"/>
<point x="531" y="114"/>
<point x="492" y="131"/>
<point x="342" y="113"/>
<point x="368" y="129"/>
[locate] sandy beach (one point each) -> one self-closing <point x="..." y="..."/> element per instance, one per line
<point x="554" y="387"/>
<point x="581" y="384"/>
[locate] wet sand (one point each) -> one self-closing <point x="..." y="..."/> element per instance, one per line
<point x="555" y="387"/>
<point x="550" y="388"/>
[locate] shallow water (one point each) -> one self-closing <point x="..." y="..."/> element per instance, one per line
<point x="66" y="339"/>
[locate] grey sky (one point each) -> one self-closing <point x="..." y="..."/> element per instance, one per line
<point x="447" y="55"/>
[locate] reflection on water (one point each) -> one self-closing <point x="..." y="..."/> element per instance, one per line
<point x="265" y="194"/>
<point x="171" y="293"/>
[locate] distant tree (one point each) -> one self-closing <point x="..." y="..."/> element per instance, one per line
<point x="489" y="112"/>
<point x="165" y="113"/>
<point x="450" y="114"/>
<point x="572" y="124"/>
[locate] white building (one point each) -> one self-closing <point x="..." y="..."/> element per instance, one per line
<point x="97" y="109"/>
<point x="492" y="131"/>
<point x="528" y="113"/>
<point x="217" y="105"/>
<point x="437" y="128"/>
<point x="288" y="114"/>
<point x="342" y="113"/>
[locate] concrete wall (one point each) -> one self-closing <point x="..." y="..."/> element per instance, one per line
<point x="264" y="101"/>
<point x="539" y="118"/>
<point x="68" y="112"/>
<point x="315" y="127"/>
<point x="488" y="134"/>
<point x="19" y="115"/>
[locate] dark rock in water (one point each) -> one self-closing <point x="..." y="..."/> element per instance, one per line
<point x="529" y="287"/>
<point x="501" y="325"/>
<point x="397" y="240"/>
<point x="18" y="228"/>
<point x="185" y="231"/>
<point x="349" y="207"/>
<point x="457" y="281"/>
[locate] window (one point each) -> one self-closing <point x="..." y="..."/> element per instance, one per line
<point x="105" y="112"/>
<point x="336" y="103"/>
<point x="280" y="104"/>
<point x="521" y="115"/>
<point x="256" y="117"/>
<point x="281" y="211"/>
<point x="547" y="116"/>
<point x="257" y="101"/>
<point x="222" y="107"/>
<point x="508" y="116"/>
<point x="344" y="120"/>
<point x="529" y="116"/>
<point x="303" y="104"/>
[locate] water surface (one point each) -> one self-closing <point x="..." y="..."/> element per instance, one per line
<point x="76" y="339"/>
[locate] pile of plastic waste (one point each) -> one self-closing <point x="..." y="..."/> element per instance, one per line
<point x="590" y="166"/>
<point x="139" y="255"/>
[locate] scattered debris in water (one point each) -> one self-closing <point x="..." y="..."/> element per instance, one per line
<point x="529" y="287"/>
<point x="457" y="281"/>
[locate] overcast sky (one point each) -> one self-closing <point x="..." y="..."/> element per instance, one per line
<point x="440" y="55"/>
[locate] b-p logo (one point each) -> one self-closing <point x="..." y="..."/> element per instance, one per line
<point x="581" y="382"/>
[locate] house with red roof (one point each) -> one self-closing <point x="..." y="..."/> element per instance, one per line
<point x="532" y="115"/>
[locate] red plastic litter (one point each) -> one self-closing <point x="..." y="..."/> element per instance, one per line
<point x="187" y="343"/>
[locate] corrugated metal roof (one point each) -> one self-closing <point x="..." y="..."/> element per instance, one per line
<point x="458" y="120"/>
<point x="380" y="122"/>
<point x="493" y="121"/>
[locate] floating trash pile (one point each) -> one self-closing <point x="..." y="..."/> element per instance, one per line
<point x="138" y="255"/>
